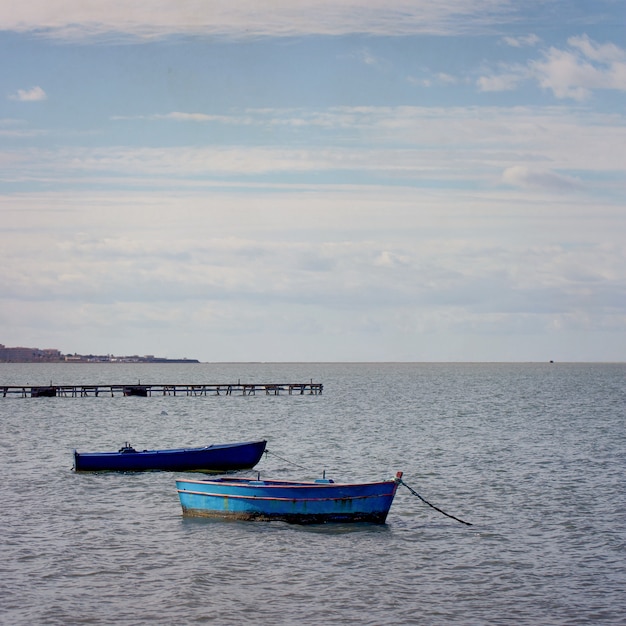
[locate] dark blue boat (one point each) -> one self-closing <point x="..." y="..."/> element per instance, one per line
<point x="316" y="502"/>
<point x="215" y="458"/>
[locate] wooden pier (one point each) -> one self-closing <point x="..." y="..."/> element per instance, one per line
<point x="141" y="390"/>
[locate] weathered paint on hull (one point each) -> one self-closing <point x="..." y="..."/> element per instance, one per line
<point x="295" y="518"/>
<point x="295" y="503"/>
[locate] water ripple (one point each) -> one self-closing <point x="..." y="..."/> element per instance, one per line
<point x="533" y="455"/>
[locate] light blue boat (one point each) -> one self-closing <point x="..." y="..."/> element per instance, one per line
<point x="315" y="502"/>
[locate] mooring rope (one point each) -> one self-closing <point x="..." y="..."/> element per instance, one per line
<point x="267" y="452"/>
<point x="397" y="479"/>
<point x="401" y="482"/>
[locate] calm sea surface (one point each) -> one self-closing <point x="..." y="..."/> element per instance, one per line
<point x="534" y="455"/>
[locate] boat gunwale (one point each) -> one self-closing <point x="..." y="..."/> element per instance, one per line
<point x="273" y="484"/>
<point x="285" y="499"/>
<point x="213" y="446"/>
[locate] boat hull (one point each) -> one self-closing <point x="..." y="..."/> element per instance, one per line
<point x="299" y="503"/>
<point x="214" y="458"/>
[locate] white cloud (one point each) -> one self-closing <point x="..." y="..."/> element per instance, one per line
<point x="35" y="94"/>
<point x="520" y="42"/>
<point x="447" y="79"/>
<point x="16" y="128"/>
<point x="420" y="82"/>
<point x="180" y="116"/>
<point x="410" y="145"/>
<point x="529" y="178"/>
<point x="184" y="264"/>
<point x="602" y="53"/>
<point x="190" y="117"/>
<point x="586" y="66"/>
<point x="574" y="72"/>
<point x="365" y="56"/>
<point x="335" y="261"/>
<point x="568" y="75"/>
<point x="140" y="18"/>
<point x="502" y="82"/>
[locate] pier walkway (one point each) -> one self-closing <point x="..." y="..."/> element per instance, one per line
<point x="224" y="389"/>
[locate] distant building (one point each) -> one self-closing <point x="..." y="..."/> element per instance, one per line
<point x="52" y="355"/>
<point x="28" y="355"/>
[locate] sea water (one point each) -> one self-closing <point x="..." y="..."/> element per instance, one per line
<point x="532" y="455"/>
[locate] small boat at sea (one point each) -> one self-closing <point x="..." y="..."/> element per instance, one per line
<point x="315" y="502"/>
<point x="214" y="458"/>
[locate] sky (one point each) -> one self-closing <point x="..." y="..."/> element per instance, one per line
<point x="314" y="180"/>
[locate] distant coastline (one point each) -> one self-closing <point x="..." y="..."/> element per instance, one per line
<point x="52" y="355"/>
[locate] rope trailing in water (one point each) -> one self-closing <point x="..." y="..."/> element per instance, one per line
<point x="398" y="480"/>
<point x="401" y="482"/>
<point x="267" y="452"/>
